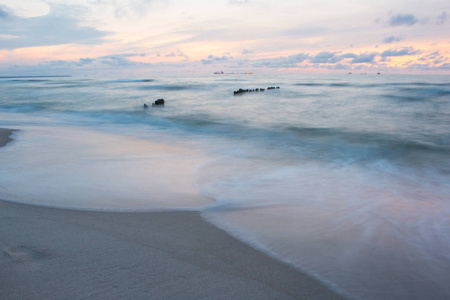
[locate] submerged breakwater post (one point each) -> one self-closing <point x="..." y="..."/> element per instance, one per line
<point x="242" y="91"/>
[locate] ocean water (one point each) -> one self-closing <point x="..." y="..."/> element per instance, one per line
<point x="346" y="177"/>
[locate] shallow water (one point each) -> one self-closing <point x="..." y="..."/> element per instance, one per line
<point x="345" y="177"/>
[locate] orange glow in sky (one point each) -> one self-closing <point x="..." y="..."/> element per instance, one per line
<point x="234" y="35"/>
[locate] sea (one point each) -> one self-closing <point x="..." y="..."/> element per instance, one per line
<point x="345" y="177"/>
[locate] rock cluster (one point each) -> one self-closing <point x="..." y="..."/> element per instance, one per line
<point x="158" y="102"/>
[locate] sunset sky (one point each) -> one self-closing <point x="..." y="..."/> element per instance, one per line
<point x="200" y="37"/>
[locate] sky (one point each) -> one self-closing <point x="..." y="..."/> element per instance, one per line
<point x="75" y="37"/>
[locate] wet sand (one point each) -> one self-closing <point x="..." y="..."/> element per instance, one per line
<point x="51" y="253"/>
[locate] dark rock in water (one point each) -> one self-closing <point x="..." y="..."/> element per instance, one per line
<point x="159" y="102"/>
<point x="145" y="105"/>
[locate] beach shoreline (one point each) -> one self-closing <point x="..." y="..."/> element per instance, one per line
<point x="55" y="253"/>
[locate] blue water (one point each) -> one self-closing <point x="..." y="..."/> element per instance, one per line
<point x="346" y="177"/>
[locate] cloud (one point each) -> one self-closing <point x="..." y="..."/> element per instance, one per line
<point x="59" y="63"/>
<point x="348" y="55"/>
<point x="211" y="59"/>
<point x="246" y="51"/>
<point x="434" y="55"/>
<point x="299" y="57"/>
<point x="364" y="58"/>
<point x="238" y="2"/>
<point x="282" y="62"/>
<point x="334" y="58"/>
<point x="3" y="13"/>
<point x="337" y="67"/>
<point x="439" y="60"/>
<point x="69" y="63"/>
<point x="85" y="61"/>
<point x="401" y="52"/>
<point x="125" y="55"/>
<point x="8" y="37"/>
<point x="442" y="18"/>
<point x="132" y="9"/>
<point x="445" y="66"/>
<point x="391" y="39"/>
<point x="177" y="54"/>
<point x="406" y="19"/>
<point x="427" y="67"/>
<point x="324" y="58"/>
<point x="117" y="61"/>
<point x="307" y="31"/>
<point x="56" y="28"/>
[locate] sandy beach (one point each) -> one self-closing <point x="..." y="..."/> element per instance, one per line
<point x="51" y="253"/>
